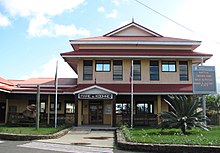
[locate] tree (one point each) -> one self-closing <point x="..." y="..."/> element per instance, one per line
<point x="213" y="105"/>
<point x="184" y="114"/>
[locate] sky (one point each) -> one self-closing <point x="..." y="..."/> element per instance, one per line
<point x="33" y="33"/>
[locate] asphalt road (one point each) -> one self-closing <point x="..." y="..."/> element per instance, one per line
<point x="39" y="147"/>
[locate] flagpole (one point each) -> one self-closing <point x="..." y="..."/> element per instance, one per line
<point x="56" y="88"/>
<point x="132" y="95"/>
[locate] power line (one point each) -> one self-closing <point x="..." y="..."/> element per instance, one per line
<point x="174" y="21"/>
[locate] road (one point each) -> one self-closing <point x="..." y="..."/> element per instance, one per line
<point x="42" y="147"/>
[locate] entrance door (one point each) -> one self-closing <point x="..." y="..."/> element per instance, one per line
<point x="2" y="112"/>
<point x="96" y="113"/>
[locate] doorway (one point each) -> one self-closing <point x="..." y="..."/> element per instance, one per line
<point x="2" y="112"/>
<point x="96" y="112"/>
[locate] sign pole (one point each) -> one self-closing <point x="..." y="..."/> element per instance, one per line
<point x="203" y="98"/>
<point x="38" y="107"/>
<point x="132" y="95"/>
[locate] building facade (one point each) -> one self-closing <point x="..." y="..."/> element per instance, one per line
<point x="101" y="95"/>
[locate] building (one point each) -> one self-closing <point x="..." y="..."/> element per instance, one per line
<point x="102" y="93"/>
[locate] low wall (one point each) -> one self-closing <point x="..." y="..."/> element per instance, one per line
<point x="25" y="137"/>
<point x="121" y="143"/>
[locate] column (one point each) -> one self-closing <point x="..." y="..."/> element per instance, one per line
<point x="113" y="111"/>
<point x="48" y="109"/>
<point x="76" y="110"/>
<point x="158" y="106"/>
<point x="6" y="111"/>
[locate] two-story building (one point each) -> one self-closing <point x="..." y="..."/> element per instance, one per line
<point x="101" y="95"/>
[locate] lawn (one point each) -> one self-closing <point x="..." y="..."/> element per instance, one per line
<point x="30" y="130"/>
<point x="173" y="136"/>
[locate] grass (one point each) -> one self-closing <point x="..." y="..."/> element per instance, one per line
<point x="31" y="130"/>
<point x="173" y="136"/>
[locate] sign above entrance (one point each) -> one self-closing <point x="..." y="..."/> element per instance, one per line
<point x="95" y="96"/>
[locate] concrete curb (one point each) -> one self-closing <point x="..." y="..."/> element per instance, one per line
<point x="26" y="137"/>
<point x="122" y="144"/>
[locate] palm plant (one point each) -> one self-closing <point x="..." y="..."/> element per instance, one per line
<point x="184" y="114"/>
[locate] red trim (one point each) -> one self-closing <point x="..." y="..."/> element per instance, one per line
<point x="135" y="52"/>
<point x="141" y="88"/>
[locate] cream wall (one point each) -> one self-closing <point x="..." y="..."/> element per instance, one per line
<point x="107" y="77"/>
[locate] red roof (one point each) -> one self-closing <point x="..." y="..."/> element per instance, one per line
<point x="134" y="38"/>
<point x="48" y="81"/>
<point x="6" y="82"/>
<point x="133" y="52"/>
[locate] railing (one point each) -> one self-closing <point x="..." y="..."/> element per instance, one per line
<point x="139" y="119"/>
<point x="18" y="118"/>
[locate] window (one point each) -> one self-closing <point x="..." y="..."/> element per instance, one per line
<point x="69" y="108"/>
<point x="87" y="70"/>
<point x="12" y="109"/>
<point x="42" y="107"/>
<point x="137" y="70"/>
<point x="168" y="66"/>
<point x="144" y="107"/>
<point x="154" y="70"/>
<point x="123" y="108"/>
<point x="52" y="106"/>
<point x="117" y="70"/>
<point x="183" y="67"/>
<point x="103" y="66"/>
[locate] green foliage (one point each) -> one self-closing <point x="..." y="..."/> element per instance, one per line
<point x="126" y="132"/>
<point x="30" y="130"/>
<point x="195" y="136"/>
<point x="184" y="114"/>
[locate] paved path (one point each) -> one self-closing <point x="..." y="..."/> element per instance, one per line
<point x="101" y="139"/>
<point x="75" y="141"/>
<point x="66" y="148"/>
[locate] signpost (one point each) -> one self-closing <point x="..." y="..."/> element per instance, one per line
<point x="204" y="81"/>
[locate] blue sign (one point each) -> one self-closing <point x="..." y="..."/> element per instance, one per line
<point x="204" y="80"/>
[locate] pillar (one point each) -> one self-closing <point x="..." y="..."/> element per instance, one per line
<point x="6" y="111"/>
<point x="158" y="106"/>
<point x="114" y="111"/>
<point x="76" y="110"/>
<point x="48" y="109"/>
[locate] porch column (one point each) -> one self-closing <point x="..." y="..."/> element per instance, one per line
<point x="48" y="109"/>
<point x="6" y="111"/>
<point x="113" y="111"/>
<point x="158" y="107"/>
<point x="76" y="110"/>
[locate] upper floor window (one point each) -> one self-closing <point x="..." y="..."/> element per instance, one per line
<point x="103" y="66"/>
<point x="136" y="70"/>
<point x="117" y="70"/>
<point x="87" y="69"/>
<point x="154" y="70"/>
<point x="183" y="67"/>
<point x="168" y="66"/>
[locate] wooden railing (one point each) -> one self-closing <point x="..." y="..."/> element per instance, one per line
<point x="139" y="119"/>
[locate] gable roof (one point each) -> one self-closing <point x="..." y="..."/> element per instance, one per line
<point x="130" y="25"/>
<point x="95" y="87"/>
<point x="133" y="34"/>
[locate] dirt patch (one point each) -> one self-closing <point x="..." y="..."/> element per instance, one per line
<point x="80" y="143"/>
<point x="98" y="138"/>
